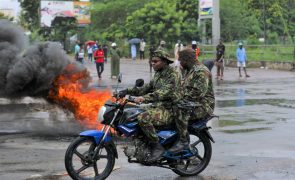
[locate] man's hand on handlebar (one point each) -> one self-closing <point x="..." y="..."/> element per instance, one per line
<point x="138" y="99"/>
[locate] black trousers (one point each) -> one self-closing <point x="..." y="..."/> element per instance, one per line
<point x="99" y="68"/>
<point x="141" y="54"/>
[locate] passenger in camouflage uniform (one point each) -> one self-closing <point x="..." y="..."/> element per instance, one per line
<point x="161" y="92"/>
<point x="196" y="87"/>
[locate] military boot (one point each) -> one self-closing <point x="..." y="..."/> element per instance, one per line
<point x="157" y="152"/>
<point x="180" y="145"/>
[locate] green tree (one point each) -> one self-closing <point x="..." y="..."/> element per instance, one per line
<point x="237" y="22"/>
<point x="157" y="20"/>
<point x="275" y="16"/>
<point x="108" y="16"/>
<point x="30" y="14"/>
<point x="191" y="8"/>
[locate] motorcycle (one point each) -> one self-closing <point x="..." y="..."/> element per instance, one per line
<point x="92" y="155"/>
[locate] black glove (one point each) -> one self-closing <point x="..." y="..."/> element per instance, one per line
<point x="123" y="93"/>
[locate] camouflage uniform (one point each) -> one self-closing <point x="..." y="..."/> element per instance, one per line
<point x="197" y="87"/>
<point x="161" y="92"/>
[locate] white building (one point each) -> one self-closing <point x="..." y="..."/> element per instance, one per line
<point x="10" y="8"/>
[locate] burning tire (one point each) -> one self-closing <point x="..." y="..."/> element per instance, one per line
<point x="80" y="164"/>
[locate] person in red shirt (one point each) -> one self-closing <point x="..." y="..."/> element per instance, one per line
<point x="196" y="48"/>
<point x="99" y="60"/>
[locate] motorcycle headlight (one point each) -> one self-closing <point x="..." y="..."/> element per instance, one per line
<point x="101" y="113"/>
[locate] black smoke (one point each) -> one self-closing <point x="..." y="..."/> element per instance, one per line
<point x="27" y="70"/>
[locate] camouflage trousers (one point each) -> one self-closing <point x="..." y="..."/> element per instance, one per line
<point x="183" y="118"/>
<point x="154" y="116"/>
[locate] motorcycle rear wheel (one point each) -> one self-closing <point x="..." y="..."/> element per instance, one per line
<point x="197" y="163"/>
<point x="79" y="164"/>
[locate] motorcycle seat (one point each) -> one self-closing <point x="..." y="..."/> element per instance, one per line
<point x="167" y="127"/>
<point x="191" y="122"/>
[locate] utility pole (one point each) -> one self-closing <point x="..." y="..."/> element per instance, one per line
<point x="264" y="23"/>
<point x="215" y="23"/>
<point x="209" y="9"/>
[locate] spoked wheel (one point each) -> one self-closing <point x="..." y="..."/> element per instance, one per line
<point x="201" y="146"/>
<point x="81" y="166"/>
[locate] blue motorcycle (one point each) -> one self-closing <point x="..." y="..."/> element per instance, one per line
<point x="92" y="155"/>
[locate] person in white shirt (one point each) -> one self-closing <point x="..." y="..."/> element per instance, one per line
<point x="90" y="52"/>
<point x="81" y="54"/>
<point x="141" y="49"/>
<point x="178" y="47"/>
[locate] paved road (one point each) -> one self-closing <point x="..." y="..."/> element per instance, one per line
<point x="254" y="136"/>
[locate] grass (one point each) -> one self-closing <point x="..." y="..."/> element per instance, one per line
<point x="254" y="53"/>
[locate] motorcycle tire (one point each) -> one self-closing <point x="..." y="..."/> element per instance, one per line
<point x="199" y="162"/>
<point x="79" y="164"/>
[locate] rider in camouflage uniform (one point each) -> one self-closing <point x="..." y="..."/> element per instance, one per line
<point x="161" y="92"/>
<point x="196" y="87"/>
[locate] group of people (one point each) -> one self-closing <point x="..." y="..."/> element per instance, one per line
<point x="179" y="46"/>
<point x="100" y="59"/>
<point x="100" y="55"/>
<point x="219" y="60"/>
<point x="142" y="45"/>
<point x="169" y="90"/>
<point x="91" y="48"/>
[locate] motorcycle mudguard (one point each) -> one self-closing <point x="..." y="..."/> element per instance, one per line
<point x="201" y="127"/>
<point x="97" y="135"/>
<point x="207" y="133"/>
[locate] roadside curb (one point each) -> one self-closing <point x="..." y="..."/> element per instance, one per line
<point x="286" y="66"/>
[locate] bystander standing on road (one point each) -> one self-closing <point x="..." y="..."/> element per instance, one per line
<point x="81" y="54"/>
<point x="208" y="63"/>
<point x="141" y="49"/>
<point x="99" y="61"/>
<point x="90" y="52"/>
<point x="178" y="47"/>
<point x="241" y="59"/>
<point x="105" y="52"/>
<point x="133" y="52"/>
<point x="115" y="61"/>
<point x="95" y="45"/>
<point x="77" y="49"/>
<point x="162" y="46"/>
<point x="196" y="48"/>
<point x="219" y="61"/>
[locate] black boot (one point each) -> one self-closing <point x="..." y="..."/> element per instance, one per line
<point x="179" y="146"/>
<point x="157" y="152"/>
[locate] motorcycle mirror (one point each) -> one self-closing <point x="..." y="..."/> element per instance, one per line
<point x="120" y="78"/>
<point x="139" y="82"/>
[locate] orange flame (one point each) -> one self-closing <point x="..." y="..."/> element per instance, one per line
<point x="70" y="90"/>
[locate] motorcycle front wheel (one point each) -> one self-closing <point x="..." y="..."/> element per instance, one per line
<point x="201" y="146"/>
<point x="80" y="165"/>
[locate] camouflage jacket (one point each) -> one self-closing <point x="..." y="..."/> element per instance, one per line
<point x="161" y="90"/>
<point x="197" y="87"/>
